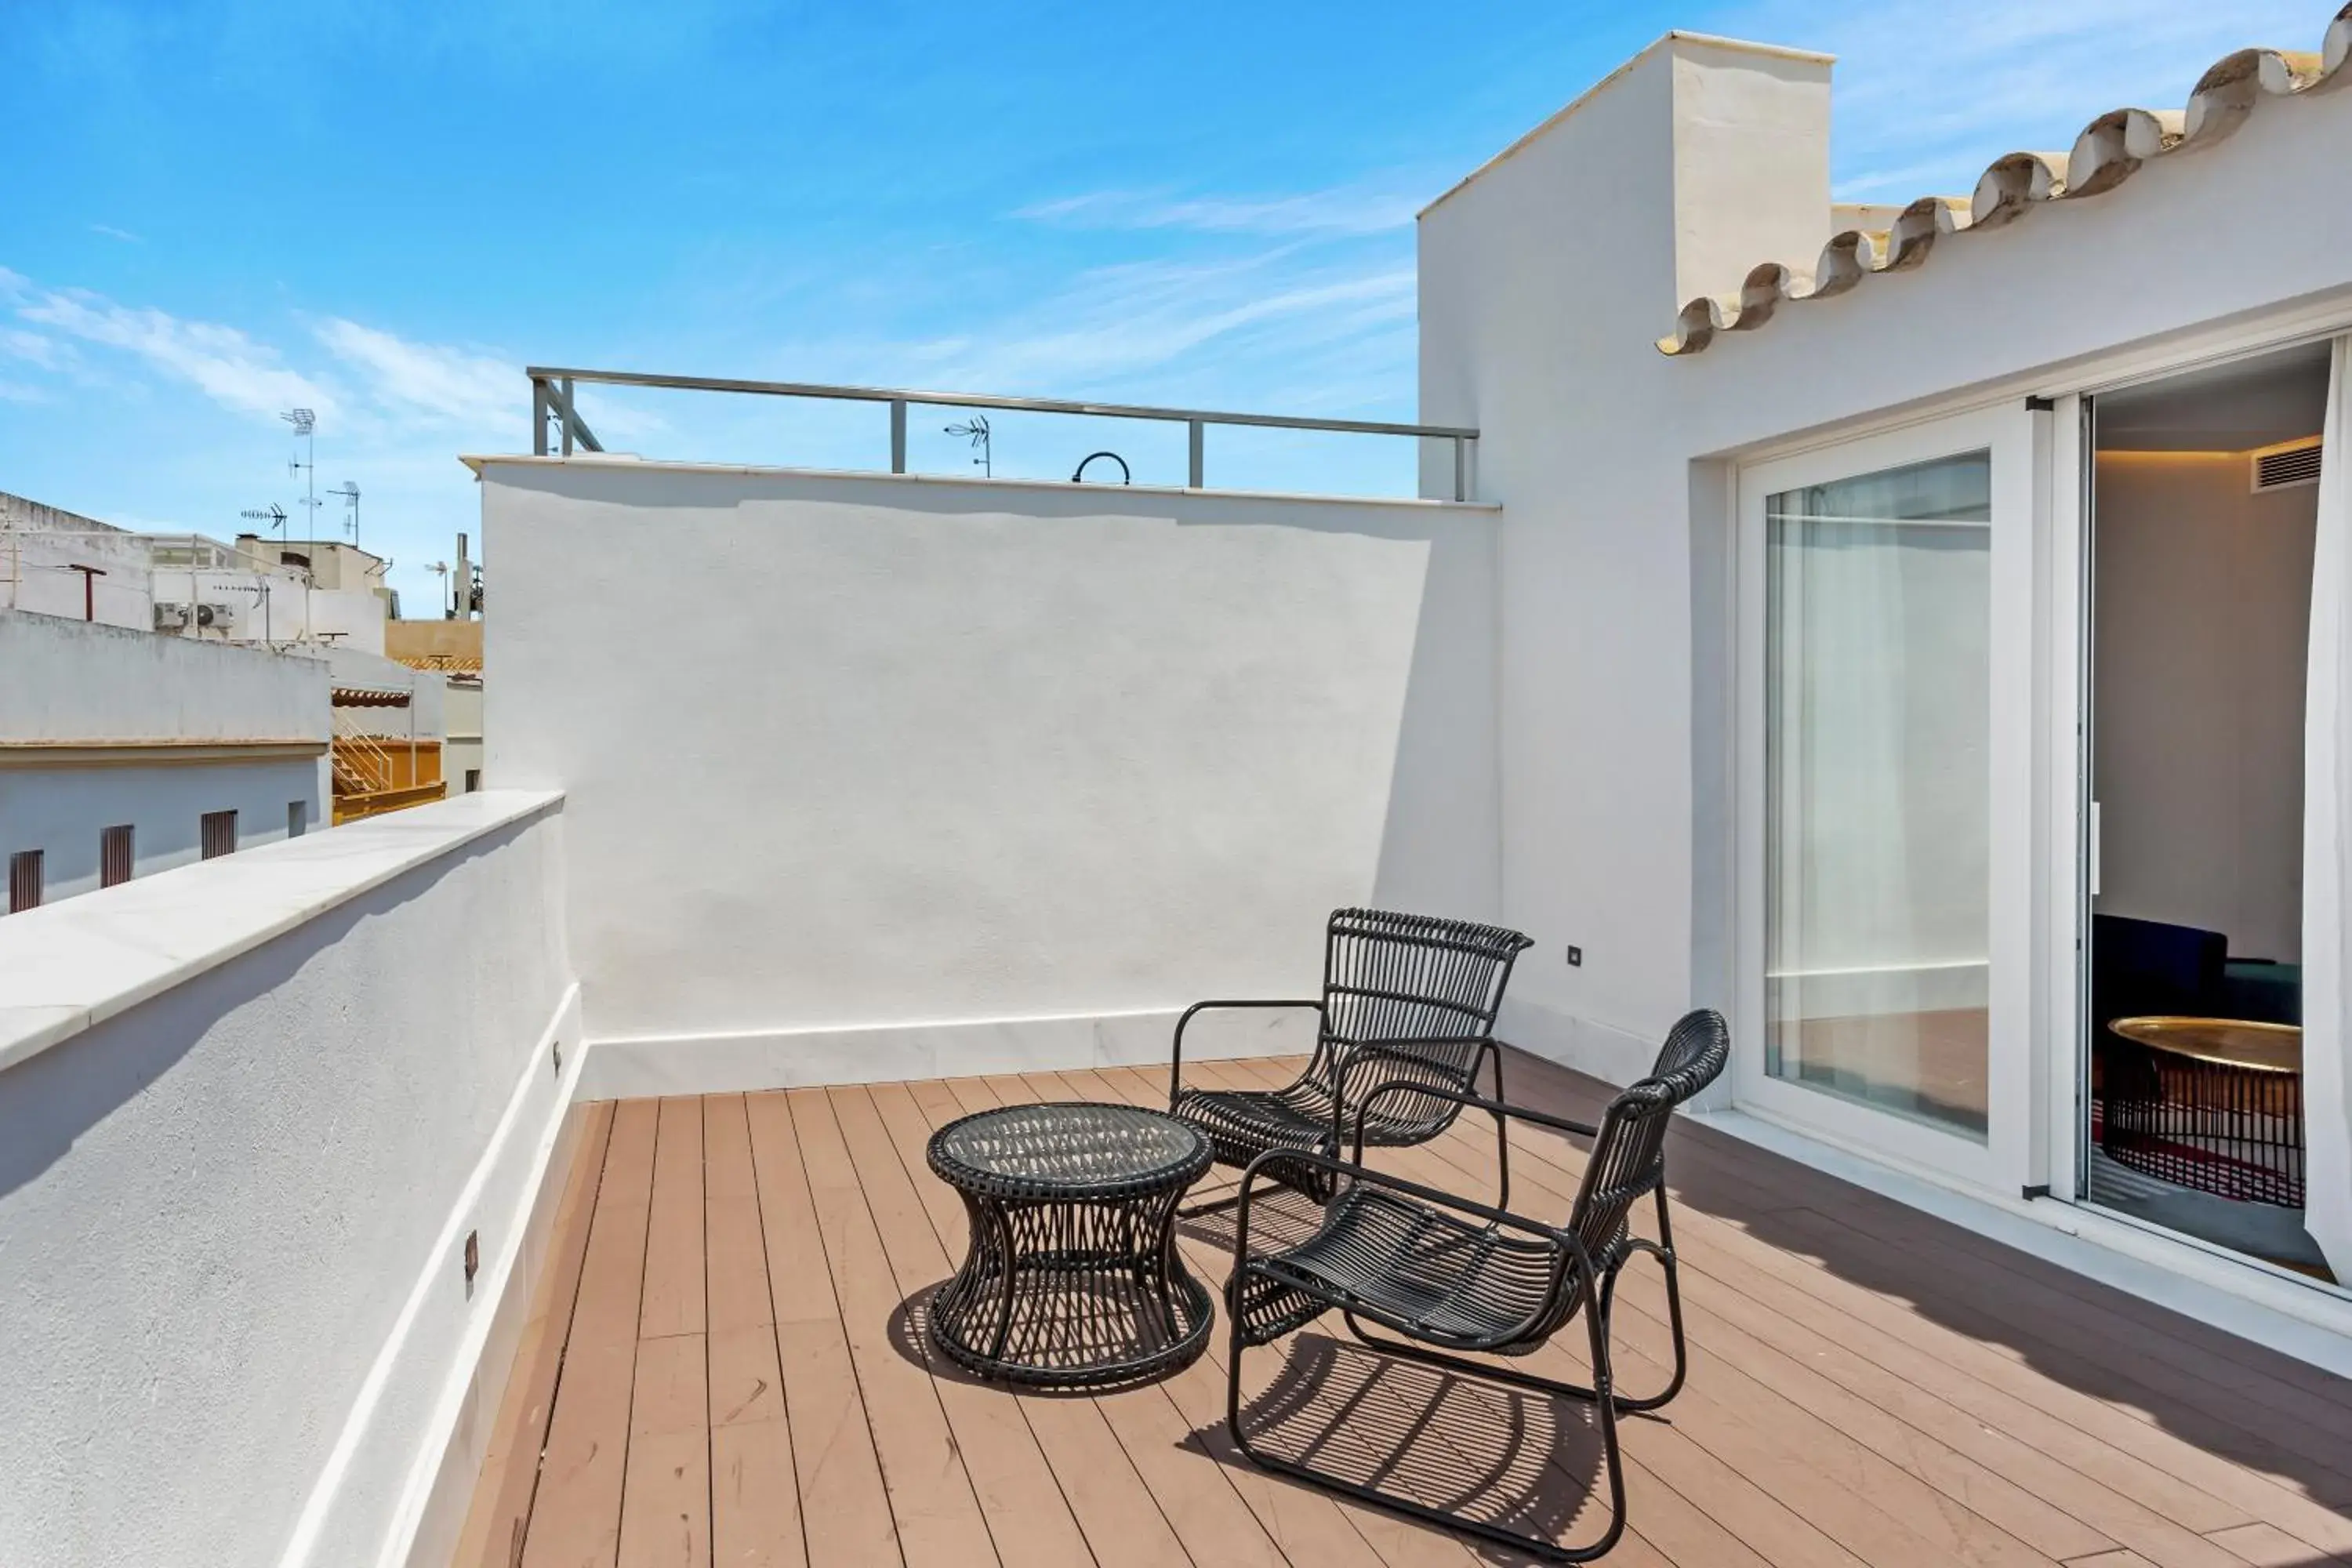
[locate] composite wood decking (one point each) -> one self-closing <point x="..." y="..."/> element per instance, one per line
<point x="726" y="1364"/>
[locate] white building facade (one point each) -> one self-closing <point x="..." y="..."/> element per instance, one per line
<point x="1677" y="610"/>
<point x="56" y="563"/>
<point x="123" y="754"/>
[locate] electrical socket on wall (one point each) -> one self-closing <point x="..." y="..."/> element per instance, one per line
<point x="1576" y="958"/>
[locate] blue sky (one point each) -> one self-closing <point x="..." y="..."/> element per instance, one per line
<point x="210" y="211"/>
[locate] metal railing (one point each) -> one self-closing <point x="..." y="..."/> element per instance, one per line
<point x="552" y="403"/>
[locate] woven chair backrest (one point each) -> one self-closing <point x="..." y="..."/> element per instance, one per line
<point x="1629" y="1157"/>
<point x="1389" y="976"/>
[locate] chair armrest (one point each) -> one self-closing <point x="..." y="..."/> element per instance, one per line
<point x="1503" y="1113"/>
<point x="1176" y="1056"/>
<point x="1495" y="1107"/>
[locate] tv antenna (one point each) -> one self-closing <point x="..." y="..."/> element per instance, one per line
<point x="306" y="425"/>
<point x="976" y="431"/>
<point x="275" y="517"/>
<point x="350" y="492"/>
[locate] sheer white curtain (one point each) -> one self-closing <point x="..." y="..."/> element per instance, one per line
<point x="2327" y="843"/>
<point x="1877" y="806"/>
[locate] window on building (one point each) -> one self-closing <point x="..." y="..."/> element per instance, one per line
<point x="114" y="854"/>
<point x="23" y="880"/>
<point x="473" y="780"/>
<point x="298" y="818"/>
<point x="219" y="834"/>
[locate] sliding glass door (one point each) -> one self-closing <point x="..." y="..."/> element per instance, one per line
<point x="1878" y="789"/>
<point x="1882" y="625"/>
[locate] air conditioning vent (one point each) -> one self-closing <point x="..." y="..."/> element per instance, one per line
<point x="2285" y="466"/>
<point x="171" y="617"/>
<point x="221" y="617"/>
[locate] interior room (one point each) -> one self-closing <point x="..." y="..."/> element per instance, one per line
<point x="2205" y="508"/>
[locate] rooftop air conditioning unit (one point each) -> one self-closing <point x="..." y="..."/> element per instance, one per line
<point x="171" y="617"/>
<point x="220" y="617"/>
<point x="2286" y="465"/>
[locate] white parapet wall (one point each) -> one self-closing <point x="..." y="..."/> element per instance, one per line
<point x="884" y="776"/>
<point x="250" y="1111"/>
<point x="78" y="680"/>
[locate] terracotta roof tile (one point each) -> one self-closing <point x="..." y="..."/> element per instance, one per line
<point x="2110" y="150"/>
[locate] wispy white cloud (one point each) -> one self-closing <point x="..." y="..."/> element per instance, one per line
<point x="34" y="349"/>
<point x="427" y="383"/>
<point x="1120" y="321"/>
<point x="226" y="365"/>
<point x="1356" y="209"/>
<point x="19" y="392"/>
<point x="370" y="381"/>
<point x="123" y="234"/>
<point x="1928" y="93"/>
<point x="1286" y="298"/>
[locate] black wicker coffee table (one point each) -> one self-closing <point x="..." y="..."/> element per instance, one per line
<point x="1073" y="1278"/>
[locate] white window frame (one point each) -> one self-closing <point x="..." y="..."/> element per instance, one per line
<point x="2017" y="1068"/>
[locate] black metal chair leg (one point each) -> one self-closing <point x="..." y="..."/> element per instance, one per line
<point x="1674" y="1324"/>
<point x="1662" y="1250"/>
<point x="1502" y="1128"/>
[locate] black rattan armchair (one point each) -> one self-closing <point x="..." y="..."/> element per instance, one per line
<point x="1450" y="1277"/>
<point x="1408" y="1000"/>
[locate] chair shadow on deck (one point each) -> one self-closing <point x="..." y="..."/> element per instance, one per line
<point x="1521" y="1461"/>
<point x="2227" y="1395"/>
<point x="1282" y="1218"/>
<point x="1493" y="1454"/>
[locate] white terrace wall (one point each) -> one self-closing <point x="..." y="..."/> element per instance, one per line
<point x="249" y="1111"/>
<point x="886" y="776"/>
<point x="1545" y="281"/>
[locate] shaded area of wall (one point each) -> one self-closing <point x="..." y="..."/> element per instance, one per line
<point x="233" y="1204"/>
<point x="65" y="811"/>
<point x="877" y="751"/>
<point x="2203" y="639"/>
<point x="77" y="680"/>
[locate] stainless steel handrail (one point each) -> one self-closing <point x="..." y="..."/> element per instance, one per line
<point x="552" y="393"/>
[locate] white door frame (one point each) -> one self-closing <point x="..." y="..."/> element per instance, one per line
<point x="2014" y="1154"/>
<point x="2057" y="1161"/>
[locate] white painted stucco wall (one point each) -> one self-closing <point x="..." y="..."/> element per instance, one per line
<point x="353" y="617"/>
<point x="1545" y="281"/>
<point x="461" y="708"/>
<point x="909" y="754"/>
<point x="248" y="1111"/>
<point x="40" y="545"/>
<point x="71" y="681"/>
